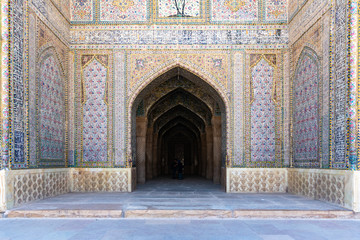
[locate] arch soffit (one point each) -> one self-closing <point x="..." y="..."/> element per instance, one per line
<point x="179" y="121"/>
<point x="179" y="111"/>
<point x="176" y="130"/>
<point x="172" y="84"/>
<point x="183" y="98"/>
<point x="308" y="51"/>
<point x="222" y="95"/>
<point x="45" y="52"/>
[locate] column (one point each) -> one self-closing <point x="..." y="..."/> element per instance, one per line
<point x="203" y="159"/>
<point x="149" y="155"/>
<point x="140" y="148"/>
<point x="155" y="155"/>
<point x="216" y="123"/>
<point x="209" y="152"/>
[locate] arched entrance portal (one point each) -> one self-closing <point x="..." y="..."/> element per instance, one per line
<point x="178" y="115"/>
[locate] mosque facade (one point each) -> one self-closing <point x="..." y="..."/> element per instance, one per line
<point x="256" y="95"/>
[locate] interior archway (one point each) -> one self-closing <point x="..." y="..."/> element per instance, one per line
<point x="178" y="117"/>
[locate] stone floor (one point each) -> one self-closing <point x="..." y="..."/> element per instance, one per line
<point x="177" y="229"/>
<point x="192" y="197"/>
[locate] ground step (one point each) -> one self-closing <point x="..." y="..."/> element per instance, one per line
<point x="194" y="214"/>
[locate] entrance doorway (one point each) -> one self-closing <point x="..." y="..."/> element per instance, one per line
<point x="178" y="116"/>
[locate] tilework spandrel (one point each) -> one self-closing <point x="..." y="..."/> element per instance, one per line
<point x="257" y="180"/>
<point x="144" y="64"/>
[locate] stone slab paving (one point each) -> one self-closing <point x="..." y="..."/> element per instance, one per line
<point x="177" y="229"/>
<point x="193" y="197"/>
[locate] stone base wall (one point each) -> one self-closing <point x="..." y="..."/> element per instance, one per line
<point x="2" y="191"/>
<point x="335" y="186"/>
<point x="23" y="186"/>
<point x="256" y="180"/>
<point x="101" y="179"/>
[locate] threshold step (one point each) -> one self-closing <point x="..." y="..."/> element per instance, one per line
<point x="176" y="213"/>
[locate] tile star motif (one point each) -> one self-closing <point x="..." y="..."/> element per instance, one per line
<point x="234" y="5"/>
<point x="123" y="5"/>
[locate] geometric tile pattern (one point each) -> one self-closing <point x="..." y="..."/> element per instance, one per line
<point x="276" y="10"/>
<point x="234" y="10"/>
<point x="82" y="10"/>
<point x="314" y="184"/>
<point x="340" y="85"/>
<point x="306" y="110"/>
<point x="263" y="142"/>
<point x="258" y="180"/>
<point x="94" y="112"/>
<point x="18" y="88"/>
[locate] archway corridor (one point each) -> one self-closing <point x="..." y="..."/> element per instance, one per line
<point x="178" y="116"/>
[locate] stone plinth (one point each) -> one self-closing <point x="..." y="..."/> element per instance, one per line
<point x="256" y="180"/>
<point x="340" y="187"/>
<point x="102" y="179"/>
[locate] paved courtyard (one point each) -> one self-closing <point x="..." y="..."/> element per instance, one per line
<point x="160" y="229"/>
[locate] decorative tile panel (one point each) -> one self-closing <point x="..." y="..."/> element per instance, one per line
<point x="263" y="119"/>
<point x="82" y="10"/>
<point x="17" y="79"/>
<point x="340" y="85"/>
<point x="234" y="11"/>
<point x="238" y="154"/>
<point x="51" y="112"/>
<point x="306" y="110"/>
<point x="263" y="142"/>
<point x="123" y="11"/>
<point x="94" y="112"/>
<point x="171" y="37"/>
<point x="276" y="10"/>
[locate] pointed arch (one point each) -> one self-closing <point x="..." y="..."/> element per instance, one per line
<point x="306" y="110"/>
<point x="163" y="73"/>
<point x="50" y="109"/>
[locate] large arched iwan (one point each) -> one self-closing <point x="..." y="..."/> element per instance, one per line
<point x="178" y="116"/>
